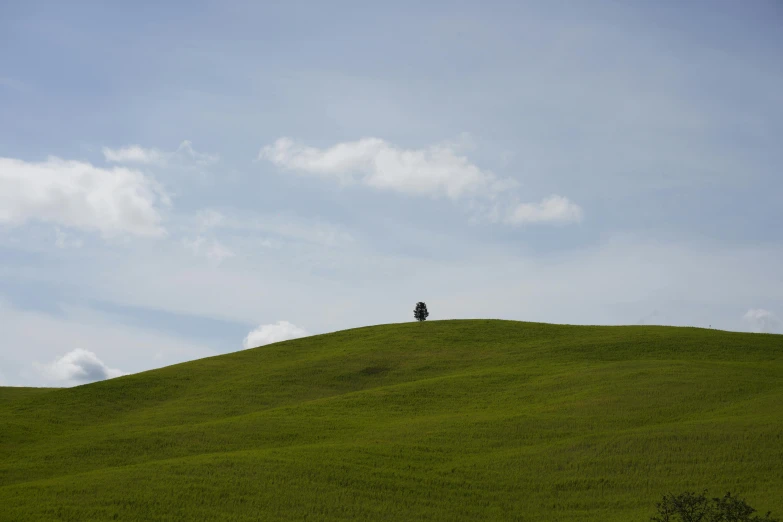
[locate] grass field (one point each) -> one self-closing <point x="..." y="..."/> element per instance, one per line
<point x="443" y="420"/>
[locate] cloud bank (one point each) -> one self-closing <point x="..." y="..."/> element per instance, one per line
<point x="79" y="366"/>
<point x="79" y="195"/>
<point x="273" y="333"/>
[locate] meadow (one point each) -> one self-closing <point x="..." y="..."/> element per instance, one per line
<point x="440" y="420"/>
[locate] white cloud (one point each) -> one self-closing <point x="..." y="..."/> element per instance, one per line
<point x="133" y="154"/>
<point x="273" y="333"/>
<point x="762" y="321"/>
<point x="186" y="149"/>
<point x="79" y="366"/>
<point x="43" y="336"/>
<point x="80" y="195"/>
<point x="554" y="209"/>
<point x="434" y="171"/>
<point x="438" y="170"/>
<point x="212" y="250"/>
<point x="152" y="156"/>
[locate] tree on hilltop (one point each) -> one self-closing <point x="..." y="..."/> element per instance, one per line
<point x="420" y="312"/>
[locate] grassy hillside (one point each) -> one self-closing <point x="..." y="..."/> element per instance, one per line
<point x="13" y="394"/>
<point x="446" y="420"/>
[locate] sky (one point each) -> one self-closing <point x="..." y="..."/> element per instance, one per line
<point x="186" y="179"/>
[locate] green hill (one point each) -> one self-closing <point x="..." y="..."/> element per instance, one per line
<point x="444" y="420"/>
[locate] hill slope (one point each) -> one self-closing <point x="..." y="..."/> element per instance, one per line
<point x="444" y="420"/>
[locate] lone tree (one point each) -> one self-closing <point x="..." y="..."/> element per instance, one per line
<point x="692" y="507"/>
<point x="420" y="312"/>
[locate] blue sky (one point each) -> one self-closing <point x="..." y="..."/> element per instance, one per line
<point x="189" y="179"/>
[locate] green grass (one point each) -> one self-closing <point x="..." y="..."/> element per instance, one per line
<point x="443" y="420"/>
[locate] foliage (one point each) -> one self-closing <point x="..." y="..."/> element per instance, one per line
<point x="692" y="507"/>
<point x="420" y="313"/>
<point x="439" y="421"/>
